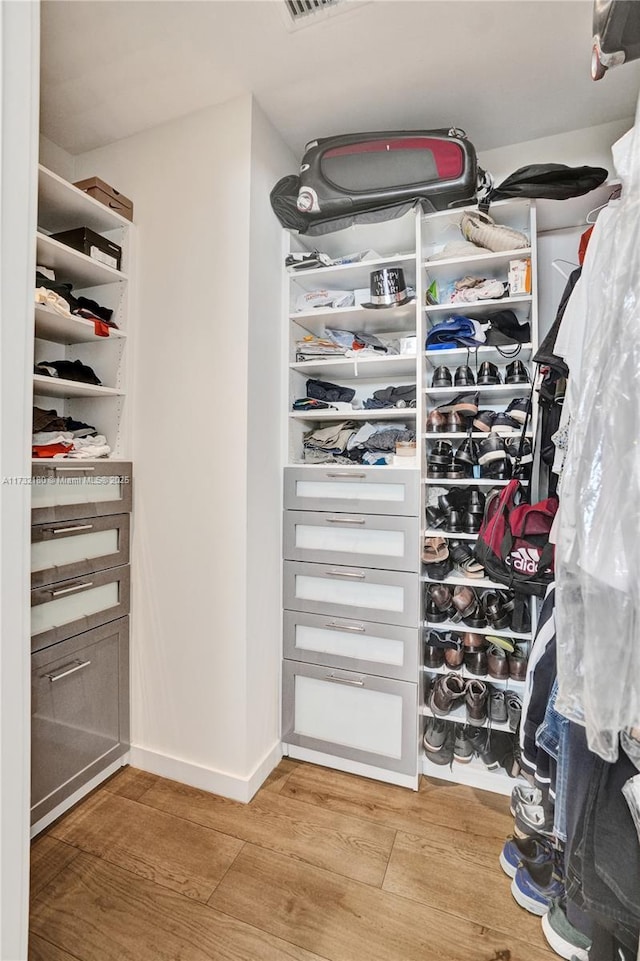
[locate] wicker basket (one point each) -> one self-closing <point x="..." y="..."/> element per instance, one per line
<point x="481" y="229"/>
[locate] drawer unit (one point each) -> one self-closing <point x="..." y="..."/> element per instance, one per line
<point x="72" y="489"/>
<point x="68" y="607"/>
<point x="382" y="596"/>
<point x="372" y="720"/>
<point x="79" y="712"/>
<point x="368" y="540"/>
<point x="382" y="491"/>
<point x="75" y="548"/>
<point x="381" y="649"/>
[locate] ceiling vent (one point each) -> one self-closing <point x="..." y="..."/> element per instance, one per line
<point x="304" y="13"/>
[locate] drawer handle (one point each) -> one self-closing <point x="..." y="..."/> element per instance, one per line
<point x="360" y="575"/>
<point x="69" y="590"/>
<point x="68" y="530"/>
<point x="345" y="520"/>
<point x="78" y="666"/>
<point x="344" y="680"/>
<point x="355" y="629"/>
<point x="74" y="470"/>
<point x="344" y="473"/>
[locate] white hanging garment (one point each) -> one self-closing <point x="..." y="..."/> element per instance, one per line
<point x="598" y="535"/>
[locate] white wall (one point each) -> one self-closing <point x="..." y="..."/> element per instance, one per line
<point x="206" y="446"/>
<point x="270" y="160"/>
<point x="57" y="159"/>
<point x="19" y="82"/>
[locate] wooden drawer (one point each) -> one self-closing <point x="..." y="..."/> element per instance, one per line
<point x="75" y="548"/>
<point x="381" y="596"/>
<point x="381" y="491"/>
<point x="382" y="649"/>
<point x="67" y="490"/>
<point x="368" y="540"/>
<point x="79" y="712"/>
<point x="69" y="607"/>
<point x="372" y="720"/>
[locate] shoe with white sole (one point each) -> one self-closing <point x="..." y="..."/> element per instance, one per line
<point x="517" y="851"/>
<point x="524" y="794"/>
<point x="536" y="886"/>
<point x="563" y="938"/>
<point x="532" y="819"/>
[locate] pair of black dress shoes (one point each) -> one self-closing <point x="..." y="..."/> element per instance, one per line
<point x="488" y="375"/>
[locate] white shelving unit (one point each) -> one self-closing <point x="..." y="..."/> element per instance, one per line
<point x="436" y="231"/>
<point x="61" y="206"/>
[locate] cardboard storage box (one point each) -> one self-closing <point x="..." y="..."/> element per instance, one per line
<point x="92" y="244"/>
<point x="107" y="195"/>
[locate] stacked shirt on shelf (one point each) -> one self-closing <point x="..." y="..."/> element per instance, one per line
<point x="59" y="297"/>
<point x="347" y="443"/>
<point x="343" y="343"/>
<point x="322" y="395"/>
<point x="56" y="437"/>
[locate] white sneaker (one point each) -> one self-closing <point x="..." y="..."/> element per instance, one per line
<point x="524" y="794"/>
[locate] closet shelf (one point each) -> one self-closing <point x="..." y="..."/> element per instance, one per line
<point x="488" y="257"/>
<point x="461" y="628"/>
<point x="459" y="716"/>
<point x="73" y="267"/>
<point x="351" y="276"/>
<point x="451" y="535"/>
<point x="354" y="368"/>
<point x="476" y="434"/>
<point x="58" y="387"/>
<point x="464" y="355"/>
<point x="474" y="774"/>
<point x="61" y="206"/>
<point x="59" y="329"/>
<point x="387" y="320"/>
<point x="478" y="307"/>
<point x="469" y="482"/>
<point x="505" y="683"/>
<point x="479" y="582"/>
<point x="386" y="413"/>
<point x="488" y="390"/>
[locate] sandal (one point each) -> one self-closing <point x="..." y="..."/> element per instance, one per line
<point x="464" y="560"/>
<point x="435" y="549"/>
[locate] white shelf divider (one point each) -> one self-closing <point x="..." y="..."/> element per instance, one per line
<point x="461" y="628"/>
<point x="58" y="387"/>
<point x="474" y="774"/>
<point x="486" y="257"/>
<point x="384" y="413"/>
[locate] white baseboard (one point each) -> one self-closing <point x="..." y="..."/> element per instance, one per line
<point x="207" y="779"/>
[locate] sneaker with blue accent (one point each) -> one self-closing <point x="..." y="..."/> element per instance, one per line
<point x="535" y="886"/>
<point x="516" y="851"/>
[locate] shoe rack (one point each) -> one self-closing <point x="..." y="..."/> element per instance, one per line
<point x="436" y="231"/>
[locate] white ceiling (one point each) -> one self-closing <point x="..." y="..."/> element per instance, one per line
<point x="504" y="70"/>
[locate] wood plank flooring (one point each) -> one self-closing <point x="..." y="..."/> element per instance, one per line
<point x="320" y="866"/>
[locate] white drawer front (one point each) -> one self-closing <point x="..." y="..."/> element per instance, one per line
<point x="383" y="596"/>
<point x="68" y="608"/>
<point x="382" y="649"/>
<point x="370" y="540"/>
<point x="368" y="719"/>
<point x="65" y="549"/>
<point x="385" y="491"/>
<point x="72" y="549"/>
<point x="78" y="489"/>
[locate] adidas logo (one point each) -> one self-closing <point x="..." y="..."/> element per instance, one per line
<point x="525" y="560"/>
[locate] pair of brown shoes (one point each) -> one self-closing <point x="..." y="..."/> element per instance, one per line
<point x="451" y="691"/>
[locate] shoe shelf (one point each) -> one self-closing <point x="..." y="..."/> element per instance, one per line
<point x="467" y="355"/>
<point x="59" y="329"/>
<point x="62" y="206"/>
<point x="490" y="257"/>
<point x="459" y="716"/>
<point x="402" y="365"/>
<point x="74" y="267"/>
<point x="480" y="582"/>
<point x="357" y="319"/>
<point x="453" y="535"/>
<point x="502" y="683"/>
<point x="461" y="627"/>
<point x="472" y="774"/>
<point x="475" y="434"/>
<point x="468" y="482"/>
<point x="351" y="276"/>
<point x="58" y="387"/>
<point x="384" y="413"/>
<point x="485" y="391"/>
<point x="478" y="307"/>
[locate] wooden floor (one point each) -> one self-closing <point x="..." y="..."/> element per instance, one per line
<point x="320" y="865"/>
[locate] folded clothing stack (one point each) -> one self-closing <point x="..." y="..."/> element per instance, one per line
<point x="346" y="443"/>
<point x="67" y="370"/>
<point x="63" y="437"/>
<point x="322" y="395"/>
<point x="342" y="343"/>
<point x="59" y="297"/>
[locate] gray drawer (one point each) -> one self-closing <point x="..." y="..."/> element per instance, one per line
<point x="384" y="597"/>
<point x="382" y="490"/>
<point x="66" y="490"/>
<point x="382" y="649"/>
<point x="69" y="607"/>
<point x="368" y="540"/>
<point x="372" y="720"/>
<point x="79" y="712"/>
<point x="75" y="548"/>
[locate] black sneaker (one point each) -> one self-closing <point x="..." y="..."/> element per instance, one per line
<point x="462" y="404"/>
<point x="462" y="747"/>
<point x="484" y="420"/>
<point x="435" y="734"/>
<point x="514" y="710"/>
<point x="444" y="754"/>
<point x="517" y="409"/>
